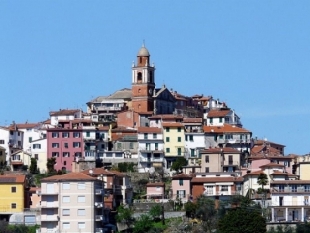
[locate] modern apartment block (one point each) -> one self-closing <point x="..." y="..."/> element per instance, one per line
<point x="72" y="203"/>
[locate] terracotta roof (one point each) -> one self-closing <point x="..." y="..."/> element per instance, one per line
<point x="265" y="150"/>
<point x="226" y="128"/>
<point x="123" y="129"/>
<point x="219" y="150"/>
<point x="155" y="184"/>
<point x="282" y="173"/>
<point x="181" y="176"/>
<point x="216" y="179"/>
<point x="81" y="120"/>
<point x="272" y="165"/>
<point x="99" y="171"/>
<point x="74" y="176"/>
<point x="104" y="128"/>
<point x="255" y="173"/>
<point x="146" y="113"/>
<point x="27" y="125"/>
<point x="192" y="120"/>
<point x="172" y="124"/>
<point x="11" y="178"/>
<point x="149" y="130"/>
<point x="218" y="113"/>
<point x="64" y="112"/>
<point x="166" y="116"/>
<point x="260" y="142"/>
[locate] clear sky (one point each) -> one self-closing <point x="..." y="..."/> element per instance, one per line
<point x="253" y="55"/>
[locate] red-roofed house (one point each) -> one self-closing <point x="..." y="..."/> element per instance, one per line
<point x="181" y="187"/>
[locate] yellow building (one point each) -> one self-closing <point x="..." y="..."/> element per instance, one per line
<point x="12" y="193"/>
<point x="174" y="140"/>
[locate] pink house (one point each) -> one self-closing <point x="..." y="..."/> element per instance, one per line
<point x="155" y="190"/>
<point x="65" y="142"/>
<point x="180" y="186"/>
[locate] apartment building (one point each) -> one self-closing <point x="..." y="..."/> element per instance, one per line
<point x="12" y="194"/>
<point x="72" y="203"/>
<point x="181" y="187"/>
<point x="221" y="116"/>
<point x="174" y="140"/>
<point x="39" y="152"/>
<point x="20" y="160"/>
<point x="151" y="148"/>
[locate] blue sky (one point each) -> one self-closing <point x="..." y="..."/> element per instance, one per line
<point x="254" y="55"/>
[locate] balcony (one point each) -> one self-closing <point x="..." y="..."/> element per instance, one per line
<point x="112" y="108"/>
<point x="150" y="150"/>
<point x="49" y="204"/>
<point x="290" y="190"/>
<point x="49" y="218"/>
<point x="99" y="218"/>
<point x="230" y="163"/>
<point x="194" y="131"/>
<point x="233" y="140"/>
<point x="150" y="160"/>
<point x="99" y="191"/>
<point x="98" y="204"/>
<point x="99" y="230"/>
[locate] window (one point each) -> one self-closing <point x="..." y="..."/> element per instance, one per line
<point x="130" y="145"/>
<point x="30" y="139"/>
<point x="13" y="205"/>
<point x="167" y="150"/>
<point x="87" y="134"/>
<point x="119" y="146"/>
<point x="65" y="225"/>
<point x="65" y="154"/>
<point x="230" y="159"/>
<point x="186" y="137"/>
<point x="66" y="145"/>
<point x="192" y="152"/>
<point x="1" y="153"/>
<point x="191" y="138"/>
<point x="154" y="135"/>
<point x="81" y="212"/>
<point x="221" y="119"/>
<point x="55" y="154"/>
<point x="65" y="135"/>
<point x="36" y="156"/>
<point x="179" y="151"/>
<point x="1" y="141"/>
<point x="36" y="146"/>
<point x="167" y="139"/>
<point x="167" y="129"/>
<point x="66" y="199"/>
<point x="156" y="121"/>
<point x="211" y="120"/>
<point x="179" y="139"/>
<point x="76" y="144"/>
<point x="55" y="135"/>
<point x="207" y="159"/>
<point x="179" y="129"/>
<point x="81" y="199"/>
<point x="55" y="145"/>
<point x="81" y="185"/>
<point x="65" y="185"/>
<point x="181" y="193"/>
<point x="224" y="188"/>
<point x="181" y="182"/>
<point x="209" y="190"/>
<point x="13" y="189"/>
<point x="156" y="146"/>
<point x="81" y="225"/>
<point x="76" y="134"/>
<point x="78" y="154"/>
<point x="65" y="212"/>
<point x="145" y="136"/>
<point x="206" y="170"/>
<point x="65" y="163"/>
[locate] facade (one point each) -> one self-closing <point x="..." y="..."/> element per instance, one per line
<point x="12" y="193"/>
<point x="151" y="148"/>
<point x="20" y="160"/>
<point x="174" y="140"/>
<point x="221" y="116"/>
<point x="220" y="160"/>
<point x="164" y="101"/>
<point x="39" y="152"/>
<point x="181" y="187"/>
<point x="64" y="115"/>
<point x="155" y="190"/>
<point x="72" y="203"/>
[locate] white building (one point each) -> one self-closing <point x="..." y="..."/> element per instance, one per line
<point x="150" y="148"/>
<point x="72" y="203"/>
<point x="65" y="114"/>
<point x="38" y="150"/>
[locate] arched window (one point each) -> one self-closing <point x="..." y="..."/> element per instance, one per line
<point x="139" y="78"/>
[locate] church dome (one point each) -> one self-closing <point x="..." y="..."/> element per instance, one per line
<point x="143" y="52"/>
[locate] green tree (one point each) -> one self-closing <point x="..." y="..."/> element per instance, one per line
<point x="33" y="166"/>
<point x="50" y="165"/>
<point x="262" y="180"/>
<point x="143" y="224"/>
<point x="207" y="213"/>
<point x="303" y="228"/>
<point x="243" y="219"/>
<point x="124" y="215"/>
<point x="190" y="209"/>
<point x="178" y="164"/>
<point x="155" y="212"/>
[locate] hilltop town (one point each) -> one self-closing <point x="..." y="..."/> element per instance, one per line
<point x="140" y="147"/>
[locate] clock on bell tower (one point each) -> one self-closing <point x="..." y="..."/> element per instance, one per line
<point x="143" y="82"/>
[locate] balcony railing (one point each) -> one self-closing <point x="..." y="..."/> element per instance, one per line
<point x="99" y="230"/>
<point x="290" y="190"/>
<point x="151" y="159"/>
<point x="149" y="149"/>
<point x="48" y="218"/>
<point x="47" y="204"/>
<point x="233" y="140"/>
<point x="99" y="191"/>
<point x="99" y="218"/>
<point x="98" y="204"/>
<point x="230" y="163"/>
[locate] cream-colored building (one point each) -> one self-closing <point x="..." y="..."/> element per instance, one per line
<point x="72" y="203"/>
<point x="220" y="160"/>
<point x="174" y="140"/>
<point x="39" y="152"/>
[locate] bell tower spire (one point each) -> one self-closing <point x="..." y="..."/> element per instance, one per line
<point x="143" y="82"/>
